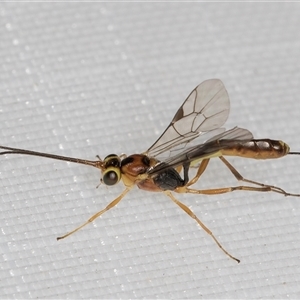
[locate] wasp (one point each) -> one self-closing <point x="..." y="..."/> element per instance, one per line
<point x="165" y="166"/>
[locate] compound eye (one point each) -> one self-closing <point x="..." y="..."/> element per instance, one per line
<point x="111" y="176"/>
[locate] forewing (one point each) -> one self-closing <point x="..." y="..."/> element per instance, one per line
<point x="205" y="109"/>
<point x="196" y="153"/>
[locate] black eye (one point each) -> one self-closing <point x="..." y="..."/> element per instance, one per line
<point x="111" y="176"/>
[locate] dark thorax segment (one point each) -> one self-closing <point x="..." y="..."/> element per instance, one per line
<point x="168" y="180"/>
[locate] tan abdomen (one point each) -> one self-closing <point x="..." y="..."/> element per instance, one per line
<point x="258" y="149"/>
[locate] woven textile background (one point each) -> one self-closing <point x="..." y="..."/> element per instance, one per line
<point x="81" y="79"/>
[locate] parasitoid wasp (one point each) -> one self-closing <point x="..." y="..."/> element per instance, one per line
<point x="159" y="168"/>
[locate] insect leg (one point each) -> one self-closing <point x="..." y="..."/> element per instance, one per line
<point x="239" y="177"/>
<point x="186" y="168"/>
<point x="200" y="171"/>
<point x="185" y="189"/>
<point x="98" y="214"/>
<point x="193" y="216"/>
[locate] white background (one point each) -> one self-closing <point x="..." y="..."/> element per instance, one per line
<point x="82" y="79"/>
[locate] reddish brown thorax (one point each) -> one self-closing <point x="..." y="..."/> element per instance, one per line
<point x="132" y="169"/>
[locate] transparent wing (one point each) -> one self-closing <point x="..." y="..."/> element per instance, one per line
<point x="205" y="109"/>
<point x="201" y="151"/>
<point x="236" y="133"/>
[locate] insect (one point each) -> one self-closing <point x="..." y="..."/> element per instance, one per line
<point x="203" y="112"/>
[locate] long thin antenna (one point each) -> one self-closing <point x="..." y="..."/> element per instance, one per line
<point x="97" y="163"/>
<point x="294" y="153"/>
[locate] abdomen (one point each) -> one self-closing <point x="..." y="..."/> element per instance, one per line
<point x="258" y="149"/>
